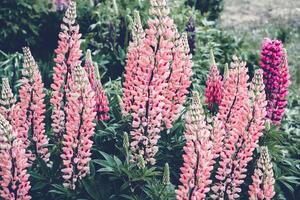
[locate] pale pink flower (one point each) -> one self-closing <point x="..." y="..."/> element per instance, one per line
<point x="68" y="55"/>
<point x="95" y="81"/>
<point x="157" y="77"/>
<point x="7" y="100"/>
<point x="263" y="183"/>
<point x="14" y="183"/>
<point x="28" y="114"/>
<point x="233" y="112"/>
<point x="80" y="128"/>
<point x="198" y="156"/>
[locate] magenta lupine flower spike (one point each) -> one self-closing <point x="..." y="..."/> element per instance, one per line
<point x="29" y="111"/>
<point x="68" y="55"/>
<point x="273" y="61"/>
<point x="263" y="178"/>
<point x="102" y="103"/>
<point x="233" y="112"/>
<point x="14" y="183"/>
<point x="80" y="128"/>
<point x="7" y="100"/>
<point x="214" y="84"/>
<point x="157" y="76"/>
<point x="198" y="156"/>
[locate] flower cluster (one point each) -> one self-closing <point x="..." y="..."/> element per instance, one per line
<point x="68" y="55"/>
<point x="243" y="114"/>
<point x="198" y="156"/>
<point x="263" y="178"/>
<point x="157" y="76"/>
<point x="7" y="100"/>
<point x="80" y="127"/>
<point x="14" y="183"/>
<point x="28" y="114"/>
<point x="213" y="90"/>
<point x="95" y="81"/>
<point x="274" y="63"/>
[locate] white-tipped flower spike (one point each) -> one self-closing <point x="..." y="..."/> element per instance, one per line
<point x="263" y="183"/>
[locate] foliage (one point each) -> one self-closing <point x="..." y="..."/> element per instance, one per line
<point x="106" y="30"/>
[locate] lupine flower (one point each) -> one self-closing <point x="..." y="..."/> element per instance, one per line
<point x="68" y="55"/>
<point x="29" y="111"/>
<point x="157" y="76"/>
<point x="95" y="81"/>
<point x="7" y="100"/>
<point x="254" y="130"/>
<point x="80" y="127"/>
<point x="276" y="78"/>
<point x="198" y="156"/>
<point x="14" y="183"/>
<point x="233" y="112"/>
<point x="214" y="84"/>
<point x="263" y="178"/>
<point x="191" y="31"/>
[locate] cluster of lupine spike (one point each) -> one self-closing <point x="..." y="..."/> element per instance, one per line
<point x="234" y="136"/>
<point x="276" y="77"/>
<point x="7" y="100"/>
<point x="68" y="55"/>
<point x="243" y="114"/>
<point x="95" y="80"/>
<point x="14" y="183"/>
<point x="157" y="76"/>
<point x="198" y="156"/>
<point x="28" y="113"/>
<point x="80" y="127"/>
<point x="262" y="186"/>
<point x="214" y="84"/>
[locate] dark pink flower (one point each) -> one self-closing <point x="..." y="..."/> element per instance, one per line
<point x="214" y="84"/>
<point x="273" y="61"/>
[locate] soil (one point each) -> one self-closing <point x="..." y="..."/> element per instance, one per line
<point x="248" y="14"/>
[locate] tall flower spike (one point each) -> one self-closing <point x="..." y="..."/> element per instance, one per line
<point x="7" y="100"/>
<point x="233" y="113"/>
<point x="273" y="61"/>
<point x="102" y="103"/>
<point x="191" y="31"/>
<point x="80" y="128"/>
<point x="130" y="86"/>
<point x="29" y="111"/>
<point x="198" y="156"/>
<point x="214" y="84"/>
<point x="253" y="131"/>
<point x="14" y="183"/>
<point x="68" y="55"/>
<point x="156" y="79"/>
<point x="263" y="183"/>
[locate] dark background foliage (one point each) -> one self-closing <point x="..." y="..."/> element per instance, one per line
<point x="106" y="28"/>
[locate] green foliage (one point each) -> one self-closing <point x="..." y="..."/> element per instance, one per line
<point x="106" y="30"/>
